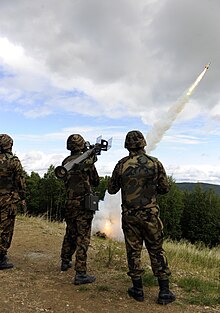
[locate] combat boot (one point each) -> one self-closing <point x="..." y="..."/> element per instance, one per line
<point x="65" y="265"/>
<point x="83" y="278"/>
<point x="165" y="295"/>
<point x="4" y="265"/>
<point x="136" y="291"/>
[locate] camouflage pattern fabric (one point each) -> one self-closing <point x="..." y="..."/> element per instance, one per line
<point x="78" y="183"/>
<point x="75" y="142"/>
<point x="8" y="210"/>
<point x="135" y="139"/>
<point x="77" y="236"/>
<point x="6" y="142"/>
<point x="145" y="226"/>
<point x="12" y="189"/>
<point x="140" y="178"/>
<point x="79" y="180"/>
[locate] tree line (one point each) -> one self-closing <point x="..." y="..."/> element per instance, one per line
<point x="191" y="215"/>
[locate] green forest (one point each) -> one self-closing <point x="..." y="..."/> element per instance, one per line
<point x="193" y="215"/>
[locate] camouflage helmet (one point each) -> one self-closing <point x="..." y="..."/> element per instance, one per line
<point x="6" y="142"/>
<point x="135" y="139"/>
<point x="75" y="142"/>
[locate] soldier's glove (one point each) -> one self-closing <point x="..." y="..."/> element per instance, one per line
<point x="78" y="167"/>
<point x="91" y="160"/>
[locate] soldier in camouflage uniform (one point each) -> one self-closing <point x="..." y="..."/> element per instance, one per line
<point x="141" y="177"/>
<point x="12" y="190"/>
<point x="78" y="182"/>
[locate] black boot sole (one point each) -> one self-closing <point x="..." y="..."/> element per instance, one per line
<point x="83" y="282"/>
<point x="135" y="297"/>
<point x="165" y="301"/>
<point x="2" y="268"/>
<point x="86" y="280"/>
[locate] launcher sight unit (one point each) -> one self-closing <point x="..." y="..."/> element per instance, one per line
<point x="89" y="151"/>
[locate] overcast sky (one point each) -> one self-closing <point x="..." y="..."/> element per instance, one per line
<point x="99" y="67"/>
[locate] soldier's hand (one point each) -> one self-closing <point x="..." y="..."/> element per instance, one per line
<point x="23" y="203"/>
<point x="79" y="166"/>
<point x="91" y="160"/>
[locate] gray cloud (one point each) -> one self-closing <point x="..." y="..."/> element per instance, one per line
<point x="131" y="54"/>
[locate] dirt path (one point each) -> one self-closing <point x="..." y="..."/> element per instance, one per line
<point x="37" y="285"/>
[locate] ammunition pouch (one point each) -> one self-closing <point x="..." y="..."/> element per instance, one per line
<point x="6" y="183"/>
<point x="92" y="202"/>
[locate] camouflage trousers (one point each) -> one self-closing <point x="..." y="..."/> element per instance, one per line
<point x="144" y="226"/>
<point x="77" y="238"/>
<point x="8" y="210"/>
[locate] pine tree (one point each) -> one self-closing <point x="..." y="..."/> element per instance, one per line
<point x="171" y="208"/>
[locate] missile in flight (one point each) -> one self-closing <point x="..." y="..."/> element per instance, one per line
<point x="207" y="65"/>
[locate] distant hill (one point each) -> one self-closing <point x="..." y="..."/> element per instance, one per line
<point x="191" y="186"/>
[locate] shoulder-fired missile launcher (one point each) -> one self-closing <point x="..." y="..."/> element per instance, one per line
<point x="89" y="151"/>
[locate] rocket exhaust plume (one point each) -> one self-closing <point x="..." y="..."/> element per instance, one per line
<point x="108" y="218"/>
<point x="156" y="133"/>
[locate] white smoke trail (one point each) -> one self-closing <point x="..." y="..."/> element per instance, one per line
<point x="158" y="130"/>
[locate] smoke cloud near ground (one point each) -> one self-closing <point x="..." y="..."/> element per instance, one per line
<point x="108" y="218"/>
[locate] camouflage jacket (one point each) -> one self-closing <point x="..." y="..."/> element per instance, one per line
<point x="80" y="180"/>
<point x="140" y="177"/>
<point x="11" y="175"/>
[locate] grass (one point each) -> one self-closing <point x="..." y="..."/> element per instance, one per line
<point x="193" y="256"/>
<point x="109" y="253"/>
<point x="200" y="291"/>
<point x="195" y="264"/>
<point x="149" y="280"/>
<point x="195" y="268"/>
<point x="103" y="288"/>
